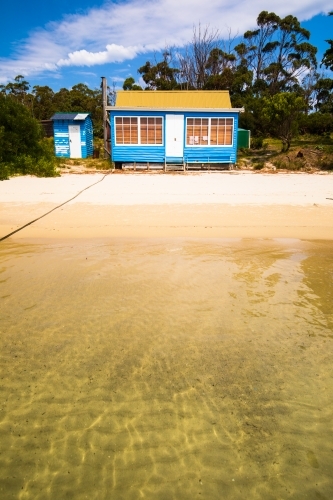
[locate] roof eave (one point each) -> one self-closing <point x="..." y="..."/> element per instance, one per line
<point x="139" y="108"/>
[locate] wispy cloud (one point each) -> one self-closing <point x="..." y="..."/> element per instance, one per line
<point x="118" y="31"/>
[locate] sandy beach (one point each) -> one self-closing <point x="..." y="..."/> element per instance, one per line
<point x="199" y="205"/>
<point x="167" y="336"/>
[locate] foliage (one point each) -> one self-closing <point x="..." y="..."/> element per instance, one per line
<point x="43" y="102"/>
<point x="44" y="105"/>
<point x="22" y="147"/>
<point x="257" y="142"/>
<point x="129" y="84"/>
<point x="316" y="123"/>
<point x="278" y="52"/>
<point x="281" y="113"/>
<point x="159" y="76"/>
<point x="18" y="90"/>
<point x="323" y="89"/>
<point x="328" y="55"/>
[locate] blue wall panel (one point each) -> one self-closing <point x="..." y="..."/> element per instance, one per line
<point x="89" y="137"/>
<point x="61" y="138"/>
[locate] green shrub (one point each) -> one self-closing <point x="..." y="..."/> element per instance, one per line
<point x="4" y="172"/>
<point x="286" y="164"/>
<point x="258" y="166"/>
<point x="22" y="147"/>
<point x="257" y="142"/>
<point x="327" y="164"/>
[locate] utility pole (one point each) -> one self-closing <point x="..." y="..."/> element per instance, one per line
<point x="107" y="153"/>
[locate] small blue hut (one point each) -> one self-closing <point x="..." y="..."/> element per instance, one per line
<point x="174" y="127"/>
<point x="73" y="135"/>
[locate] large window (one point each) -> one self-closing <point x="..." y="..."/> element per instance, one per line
<point x="209" y="131"/>
<point x="139" y="130"/>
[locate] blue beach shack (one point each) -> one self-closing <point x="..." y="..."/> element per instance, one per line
<point x="73" y="135"/>
<point x="170" y="128"/>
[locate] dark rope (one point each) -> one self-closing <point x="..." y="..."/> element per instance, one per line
<point x="55" y="208"/>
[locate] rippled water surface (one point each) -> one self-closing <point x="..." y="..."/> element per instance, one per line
<point x="166" y="369"/>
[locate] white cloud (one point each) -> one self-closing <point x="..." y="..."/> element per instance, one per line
<point x="120" y="31"/>
<point x="113" y="53"/>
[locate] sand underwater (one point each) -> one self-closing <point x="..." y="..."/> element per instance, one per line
<point x="166" y="368"/>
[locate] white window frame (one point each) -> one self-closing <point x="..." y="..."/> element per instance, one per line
<point x="139" y="131"/>
<point x="209" y="145"/>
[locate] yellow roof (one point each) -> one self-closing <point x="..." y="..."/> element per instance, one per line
<point x="173" y="99"/>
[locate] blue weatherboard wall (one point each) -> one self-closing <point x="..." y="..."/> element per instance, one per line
<point x="61" y="121"/>
<point x="156" y="153"/>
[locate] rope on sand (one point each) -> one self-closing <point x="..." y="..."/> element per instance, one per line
<point x="55" y="208"/>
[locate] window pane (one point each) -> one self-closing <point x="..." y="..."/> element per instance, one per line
<point x="127" y="133"/>
<point x="213" y="132"/>
<point x="151" y="131"/>
<point x="159" y="131"/>
<point x="134" y="131"/>
<point x="143" y="130"/>
<point x="119" y="130"/>
<point x="221" y="132"/>
<point x="189" y="132"/>
<point x="204" y="132"/>
<point x="197" y="131"/>
<point x="228" y="135"/>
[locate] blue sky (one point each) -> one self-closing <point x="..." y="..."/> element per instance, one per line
<point x="60" y="43"/>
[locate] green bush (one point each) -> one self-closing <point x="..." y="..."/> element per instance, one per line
<point x="317" y="123"/>
<point x="259" y="166"/>
<point x="4" y="172"/>
<point x="257" y="142"/>
<point x="327" y="164"/>
<point x="22" y="147"/>
<point x="285" y="164"/>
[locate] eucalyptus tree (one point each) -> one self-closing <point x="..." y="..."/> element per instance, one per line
<point x="328" y="55"/>
<point x="43" y="102"/>
<point x="18" y="90"/>
<point x="129" y="84"/>
<point x="278" y="52"/>
<point x="161" y="75"/>
<point x="200" y="58"/>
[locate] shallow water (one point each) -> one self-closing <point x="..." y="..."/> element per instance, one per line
<point x="167" y="369"/>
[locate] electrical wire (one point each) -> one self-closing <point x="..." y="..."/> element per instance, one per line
<point x="53" y="209"/>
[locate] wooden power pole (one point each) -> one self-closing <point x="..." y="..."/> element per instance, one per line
<point x="106" y="123"/>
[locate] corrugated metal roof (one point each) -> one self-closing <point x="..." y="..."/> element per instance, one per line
<point x="69" y="116"/>
<point x="63" y="116"/>
<point x="81" y="116"/>
<point x="176" y="99"/>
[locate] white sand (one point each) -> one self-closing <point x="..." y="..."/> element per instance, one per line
<point x="214" y="205"/>
<point x="191" y="188"/>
